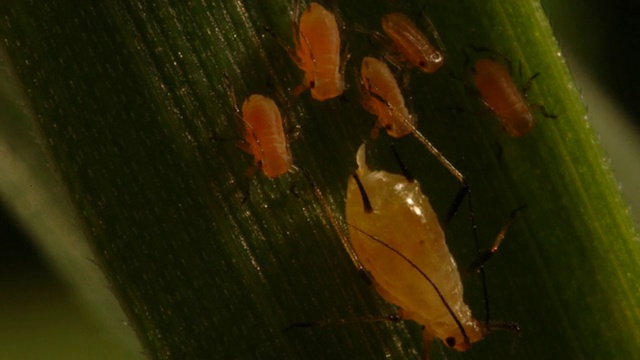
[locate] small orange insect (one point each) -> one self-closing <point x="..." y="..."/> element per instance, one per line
<point x="500" y="94"/>
<point x="263" y="133"/>
<point x="397" y="238"/>
<point x="383" y="98"/>
<point x="317" y="41"/>
<point x="411" y="43"/>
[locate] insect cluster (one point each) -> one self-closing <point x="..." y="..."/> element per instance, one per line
<point x="393" y="231"/>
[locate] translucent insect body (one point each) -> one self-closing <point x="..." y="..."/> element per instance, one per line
<point x="420" y="276"/>
<point x="383" y="98"/>
<point x="264" y="136"/>
<point x="499" y="92"/>
<point x="317" y="40"/>
<point x="411" y="43"/>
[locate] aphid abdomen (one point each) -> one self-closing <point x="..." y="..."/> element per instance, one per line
<point x="500" y="93"/>
<point x="318" y="50"/>
<point x="264" y="133"/>
<point x="403" y="218"/>
<point x="412" y="43"/>
<point x="384" y="99"/>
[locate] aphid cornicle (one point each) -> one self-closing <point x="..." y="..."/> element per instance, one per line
<point x="411" y="43"/>
<point x="500" y="94"/>
<point x="264" y="136"/>
<point x="317" y="41"/>
<point x="400" y="215"/>
<point x="383" y="98"/>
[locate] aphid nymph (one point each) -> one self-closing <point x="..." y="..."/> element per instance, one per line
<point x="317" y="53"/>
<point x="411" y="43"/>
<point x="383" y="98"/>
<point x="263" y="133"/>
<point x="498" y="91"/>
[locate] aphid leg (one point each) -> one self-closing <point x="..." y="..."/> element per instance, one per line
<point x="405" y="171"/>
<point x="237" y="115"/>
<point x="427" y="340"/>
<point x="404" y="74"/>
<point x="509" y="326"/>
<point x="527" y="86"/>
<point x="455" y="204"/>
<point x="539" y="107"/>
<point x="487" y="254"/>
<point x="372" y="35"/>
<point x="543" y="110"/>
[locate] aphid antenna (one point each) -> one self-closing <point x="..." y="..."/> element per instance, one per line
<point x="424" y="275"/>
<point x="332" y="218"/>
<point x="290" y="51"/>
<point x="493" y="52"/>
<point x="484" y="256"/>
<point x="432" y="30"/>
<point x="508" y="326"/>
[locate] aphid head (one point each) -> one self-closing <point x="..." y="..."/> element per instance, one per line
<point x="431" y="62"/>
<point x="458" y="342"/>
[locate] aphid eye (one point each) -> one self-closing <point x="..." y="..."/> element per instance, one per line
<point x="450" y="341"/>
<point x="312" y="84"/>
<point x="422" y="63"/>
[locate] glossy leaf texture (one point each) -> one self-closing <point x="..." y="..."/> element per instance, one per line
<point x="128" y="104"/>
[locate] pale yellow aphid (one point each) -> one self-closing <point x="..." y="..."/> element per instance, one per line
<point x="419" y="275"/>
<point x="411" y="43"/>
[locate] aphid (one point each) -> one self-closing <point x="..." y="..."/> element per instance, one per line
<point x="263" y="133"/>
<point x="396" y="235"/>
<point x="411" y="43"/>
<point x="317" y="41"/>
<point x="500" y="94"/>
<point x="383" y="98"/>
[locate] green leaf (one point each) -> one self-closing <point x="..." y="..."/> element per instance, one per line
<point x="125" y="99"/>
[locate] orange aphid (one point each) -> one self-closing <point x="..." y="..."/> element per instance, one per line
<point x="411" y="43"/>
<point x="264" y="137"/>
<point x="398" y="215"/>
<point x="383" y="98"/>
<point x="501" y="95"/>
<point x="317" y="40"/>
